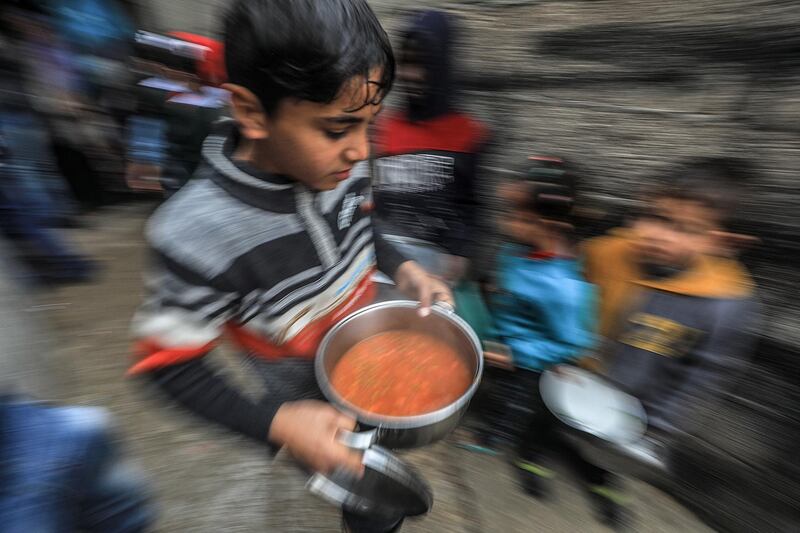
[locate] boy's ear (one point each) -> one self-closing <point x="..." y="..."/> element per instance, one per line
<point x="248" y="113"/>
<point x="735" y="241"/>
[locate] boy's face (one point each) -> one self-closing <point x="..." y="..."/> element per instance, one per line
<point x="521" y="225"/>
<point x="675" y="232"/>
<point x="525" y="227"/>
<point x="413" y="78"/>
<point x="315" y="144"/>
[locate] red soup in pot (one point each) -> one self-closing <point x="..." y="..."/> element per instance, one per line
<point x="401" y="373"/>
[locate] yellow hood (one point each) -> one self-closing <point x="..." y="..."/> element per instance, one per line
<point x="611" y="264"/>
<point x="709" y="277"/>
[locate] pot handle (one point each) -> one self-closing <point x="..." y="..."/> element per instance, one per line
<point x="327" y="489"/>
<point x="446" y="307"/>
<point x="322" y="486"/>
<point x="358" y="440"/>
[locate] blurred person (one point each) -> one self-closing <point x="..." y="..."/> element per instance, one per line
<point x="270" y="243"/>
<point x="34" y="200"/>
<point x="93" y="27"/>
<point x="677" y="309"/>
<point x="427" y="155"/>
<point x="98" y="35"/>
<point x="61" y="469"/>
<point x="51" y="75"/>
<point x="196" y="109"/>
<point x="139" y="13"/>
<point x="30" y="60"/>
<point x="176" y="108"/>
<point x="543" y="313"/>
<point x="52" y="259"/>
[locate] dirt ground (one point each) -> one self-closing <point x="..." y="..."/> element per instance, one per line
<point x="207" y="480"/>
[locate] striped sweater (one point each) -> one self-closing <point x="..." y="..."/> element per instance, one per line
<point x="258" y="259"/>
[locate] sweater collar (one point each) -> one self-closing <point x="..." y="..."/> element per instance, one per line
<point x="261" y="189"/>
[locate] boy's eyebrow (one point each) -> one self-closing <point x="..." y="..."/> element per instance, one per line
<point x="344" y="119"/>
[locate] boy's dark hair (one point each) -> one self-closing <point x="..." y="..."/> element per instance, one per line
<point x="552" y="187"/>
<point x="428" y="42"/>
<point x="305" y="49"/>
<point x="714" y="182"/>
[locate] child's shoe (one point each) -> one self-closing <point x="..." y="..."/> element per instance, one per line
<point x="534" y="478"/>
<point x="610" y="506"/>
<point x="480" y="442"/>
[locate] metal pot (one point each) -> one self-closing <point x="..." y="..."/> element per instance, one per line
<point x="403" y="431"/>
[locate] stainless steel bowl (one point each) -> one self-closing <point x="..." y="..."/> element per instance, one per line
<point x="619" y="443"/>
<point x="399" y="431"/>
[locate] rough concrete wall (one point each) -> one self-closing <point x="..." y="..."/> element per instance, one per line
<point x="625" y="89"/>
<point x="628" y="88"/>
<point x="200" y="16"/>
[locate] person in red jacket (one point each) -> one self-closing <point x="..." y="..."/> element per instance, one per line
<point x="427" y="154"/>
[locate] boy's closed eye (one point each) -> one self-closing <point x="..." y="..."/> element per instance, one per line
<point x="656" y="218"/>
<point x="338" y="127"/>
<point x="683" y="226"/>
<point x="335" y="135"/>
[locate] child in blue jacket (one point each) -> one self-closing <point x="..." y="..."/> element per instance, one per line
<point x="543" y="312"/>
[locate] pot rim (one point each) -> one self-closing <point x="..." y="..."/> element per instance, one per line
<point x="398" y="422"/>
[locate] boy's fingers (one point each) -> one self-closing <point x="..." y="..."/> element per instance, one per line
<point x="352" y="461"/>
<point x="346" y="422"/>
<point x="444" y="295"/>
<point x="425" y="299"/>
<point x="347" y="457"/>
<point x="434" y="291"/>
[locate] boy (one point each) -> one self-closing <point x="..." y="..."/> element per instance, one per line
<point x="175" y="111"/>
<point x="543" y="314"/>
<point x="427" y="155"/>
<point x="269" y="243"/>
<point x="675" y="310"/>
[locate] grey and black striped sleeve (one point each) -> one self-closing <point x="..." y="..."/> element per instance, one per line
<point x="180" y="320"/>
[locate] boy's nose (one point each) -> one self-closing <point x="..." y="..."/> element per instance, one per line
<point x="358" y="151"/>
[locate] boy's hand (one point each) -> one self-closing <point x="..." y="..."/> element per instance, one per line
<point x="308" y="430"/>
<point x="499" y="360"/>
<point x="592" y="364"/>
<point x="564" y="372"/>
<point x="416" y="283"/>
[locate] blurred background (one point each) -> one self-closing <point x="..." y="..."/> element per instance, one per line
<point x="103" y="108"/>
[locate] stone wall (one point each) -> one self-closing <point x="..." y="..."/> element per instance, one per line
<point x="198" y="16"/>
<point x="625" y="89"/>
